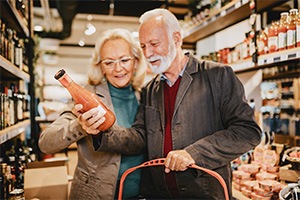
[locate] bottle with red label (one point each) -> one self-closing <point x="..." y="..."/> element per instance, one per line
<point x="291" y="28"/>
<point x="273" y="37"/>
<point x="282" y="31"/>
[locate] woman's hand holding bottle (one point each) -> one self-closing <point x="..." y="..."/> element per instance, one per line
<point x="91" y="119"/>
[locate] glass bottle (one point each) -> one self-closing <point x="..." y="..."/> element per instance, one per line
<point x="273" y="37"/>
<point x="262" y="42"/>
<point x="291" y="29"/>
<point x="282" y="31"/>
<point x="88" y="99"/>
<point x="298" y="30"/>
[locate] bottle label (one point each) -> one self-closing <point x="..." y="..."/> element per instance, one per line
<point x="298" y="34"/>
<point x="282" y="40"/>
<point x="101" y="110"/>
<point x="272" y="43"/>
<point x="291" y="37"/>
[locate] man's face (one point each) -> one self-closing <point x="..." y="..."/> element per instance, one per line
<point x="159" y="50"/>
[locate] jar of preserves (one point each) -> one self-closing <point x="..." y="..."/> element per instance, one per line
<point x="262" y="42"/>
<point x="282" y="31"/>
<point x="291" y="28"/>
<point x="298" y="30"/>
<point x="273" y="37"/>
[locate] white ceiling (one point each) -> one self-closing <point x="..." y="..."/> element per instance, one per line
<point x="71" y="56"/>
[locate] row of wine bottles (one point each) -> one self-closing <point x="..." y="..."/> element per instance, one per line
<point x="14" y="156"/>
<point x="13" y="47"/>
<point x="14" y="106"/>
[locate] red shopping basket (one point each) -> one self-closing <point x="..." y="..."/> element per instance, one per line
<point x="161" y="161"/>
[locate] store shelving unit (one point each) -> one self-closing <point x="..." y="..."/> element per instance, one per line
<point x="10" y="72"/>
<point x="235" y="12"/>
<point x="230" y="14"/>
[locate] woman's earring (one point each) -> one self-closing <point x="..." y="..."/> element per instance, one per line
<point x="103" y="79"/>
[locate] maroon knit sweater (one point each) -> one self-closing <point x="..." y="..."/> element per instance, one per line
<point x="169" y="102"/>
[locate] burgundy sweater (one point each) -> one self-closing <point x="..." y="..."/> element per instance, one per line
<point x="169" y="102"/>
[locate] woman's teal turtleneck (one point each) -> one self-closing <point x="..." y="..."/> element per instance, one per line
<point x="125" y="108"/>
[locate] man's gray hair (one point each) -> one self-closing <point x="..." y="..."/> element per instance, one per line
<point x="168" y="18"/>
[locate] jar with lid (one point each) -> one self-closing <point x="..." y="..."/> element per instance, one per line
<point x="291" y="28"/>
<point x="273" y="37"/>
<point x="262" y="42"/>
<point x="298" y="30"/>
<point x="282" y="31"/>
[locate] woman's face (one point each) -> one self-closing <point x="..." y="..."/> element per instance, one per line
<point x="117" y="63"/>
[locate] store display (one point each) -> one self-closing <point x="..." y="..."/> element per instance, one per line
<point x="88" y="99"/>
<point x="259" y="173"/>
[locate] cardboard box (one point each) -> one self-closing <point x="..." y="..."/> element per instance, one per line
<point x="50" y="182"/>
<point x="287" y="174"/>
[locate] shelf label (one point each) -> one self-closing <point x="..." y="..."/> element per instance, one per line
<point x="245" y="1"/>
<point x="284" y="57"/>
<point x="277" y="59"/>
<point x="223" y="13"/>
<point x="293" y="55"/>
<point x="269" y="60"/>
<point x="213" y="18"/>
<point x="237" y="4"/>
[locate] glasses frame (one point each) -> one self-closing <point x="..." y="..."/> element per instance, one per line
<point x="119" y="61"/>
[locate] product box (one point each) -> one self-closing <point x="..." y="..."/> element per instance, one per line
<point x="289" y="174"/>
<point x="48" y="182"/>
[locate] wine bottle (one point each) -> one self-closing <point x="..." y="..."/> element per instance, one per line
<point x="88" y="99"/>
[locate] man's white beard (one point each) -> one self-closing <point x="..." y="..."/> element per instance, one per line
<point x="165" y="61"/>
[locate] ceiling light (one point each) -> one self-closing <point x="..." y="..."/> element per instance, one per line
<point x="90" y="29"/>
<point x="81" y="42"/>
<point x="38" y="28"/>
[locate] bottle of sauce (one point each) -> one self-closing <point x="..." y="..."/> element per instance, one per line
<point x="273" y="37"/>
<point x="298" y="31"/>
<point x="291" y="29"/>
<point x="88" y="99"/>
<point x="282" y="31"/>
<point x="262" y="42"/>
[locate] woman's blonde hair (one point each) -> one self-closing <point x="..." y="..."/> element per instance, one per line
<point x="95" y="74"/>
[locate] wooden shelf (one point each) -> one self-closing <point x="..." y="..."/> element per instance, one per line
<point x="230" y="14"/>
<point x="13" y="131"/>
<point x="269" y="60"/>
<point x="11" y="71"/>
<point x="13" y="18"/>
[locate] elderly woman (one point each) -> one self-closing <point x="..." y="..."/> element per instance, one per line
<point x="116" y="73"/>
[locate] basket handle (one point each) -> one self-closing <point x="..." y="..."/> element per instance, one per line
<point x="161" y="161"/>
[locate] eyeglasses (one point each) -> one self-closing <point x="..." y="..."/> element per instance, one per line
<point x="123" y="62"/>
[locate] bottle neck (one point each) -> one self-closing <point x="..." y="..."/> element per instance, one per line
<point x="65" y="80"/>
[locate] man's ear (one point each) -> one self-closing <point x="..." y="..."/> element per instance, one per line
<point x="177" y="39"/>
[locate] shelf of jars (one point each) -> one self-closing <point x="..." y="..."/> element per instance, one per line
<point x="14" y="130"/>
<point x="230" y="14"/>
<point x="12" y="16"/>
<point x="269" y="60"/>
<point x="10" y="70"/>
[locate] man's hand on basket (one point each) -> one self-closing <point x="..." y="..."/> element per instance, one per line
<point x="178" y="160"/>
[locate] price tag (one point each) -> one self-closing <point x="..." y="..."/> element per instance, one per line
<point x="237" y="4"/>
<point x="213" y="18"/>
<point x="223" y="13"/>
<point x="276" y="59"/>
<point x="298" y="54"/>
<point x="205" y="23"/>
<point x="293" y="55"/>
